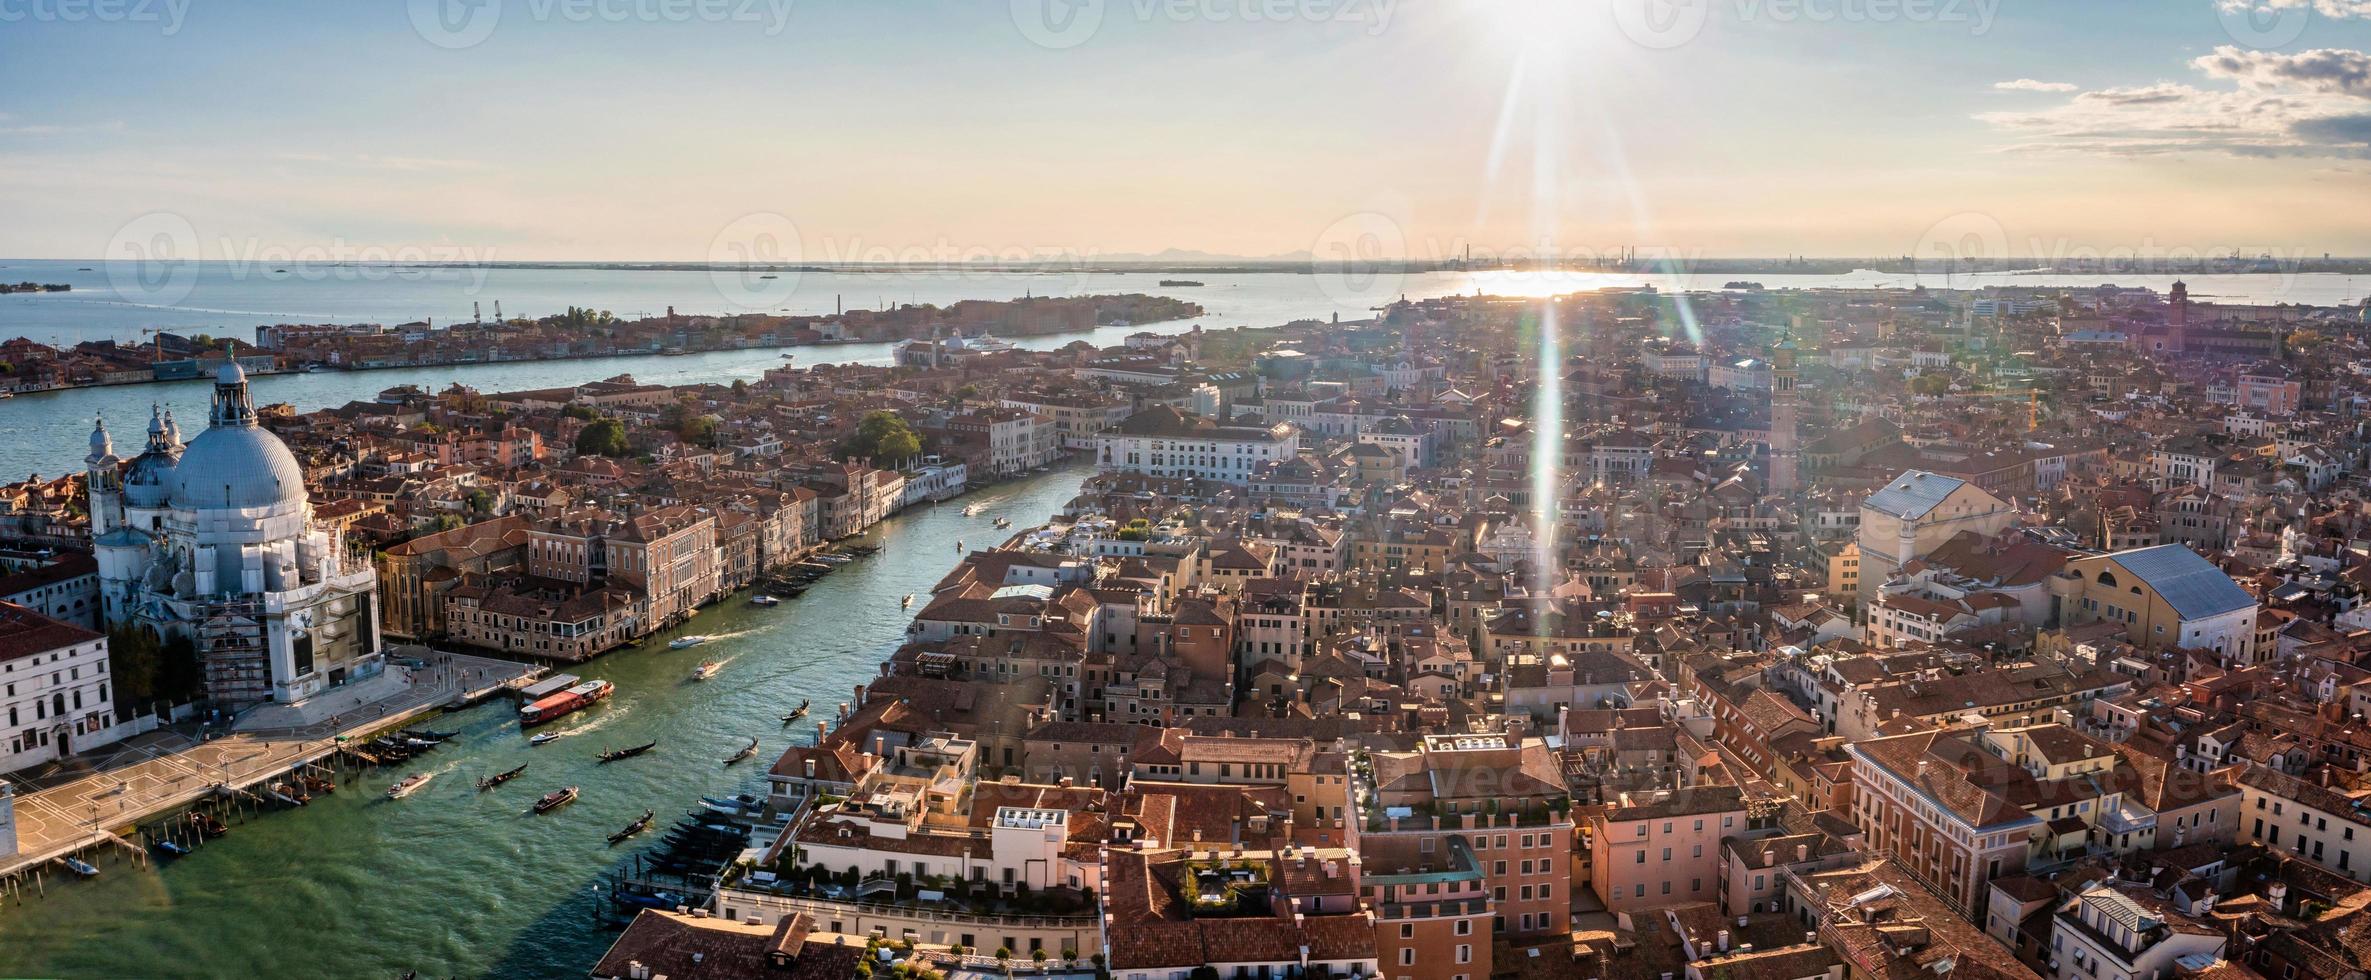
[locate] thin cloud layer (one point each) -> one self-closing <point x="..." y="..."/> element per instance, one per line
<point x="2034" y="85"/>
<point x="2302" y="104"/>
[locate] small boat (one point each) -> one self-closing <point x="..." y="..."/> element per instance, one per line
<point x="746" y="752"/>
<point x="972" y="510"/>
<point x="959" y="546"/>
<point x="686" y="642"/>
<point x="556" y="799"/>
<point x="615" y="754"/>
<point x="208" y="826"/>
<point x="769" y="276"/>
<point x="636" y="827"/>
<point x="80" y="867"/>
<point x="905" y="602"/>
<point x="546" y="738"/>
<point x="729" y="807"/>
<point x="422" y="743"/>
<point x="317" y="784"/>
<point x="500" y="778"/>
<point x="763" y="600"/>
<point x="647" y="900"/>
<point x="174" y="848"/>
<point x="834" y="559"/>
<point x="1003" y="522"/>
<point x="423" y="733"/>
<point x="409" y="785"/>
<point x="705" y="670"/>
<point x="796" y="713"/>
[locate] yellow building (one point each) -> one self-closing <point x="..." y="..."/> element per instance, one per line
<point x="2165" y="597"/>
<point x="1913" y="515"/>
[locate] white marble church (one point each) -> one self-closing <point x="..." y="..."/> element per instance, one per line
<point x="215" y="541"/>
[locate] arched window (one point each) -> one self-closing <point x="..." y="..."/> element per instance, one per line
<point x="2107" y="578"/>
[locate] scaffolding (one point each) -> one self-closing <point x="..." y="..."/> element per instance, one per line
<point x="231" y="646"/>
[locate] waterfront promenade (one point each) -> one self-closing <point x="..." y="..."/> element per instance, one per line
<point x="164" y="770"/>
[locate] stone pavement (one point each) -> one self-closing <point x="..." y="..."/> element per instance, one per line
<point x="166" y="769"/>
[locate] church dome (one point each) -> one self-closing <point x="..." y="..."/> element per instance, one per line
<point x="149" y="480"/>
<point x="237" y="466"/>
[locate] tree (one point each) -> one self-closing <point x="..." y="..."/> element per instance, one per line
<point x="605" y="437"/>
<point x="481" y="502"/>
<point x="740" y="387"/>
<point x="967" y="392"/>
<point x="583" y="412"/>
<point x="884" y="437"/>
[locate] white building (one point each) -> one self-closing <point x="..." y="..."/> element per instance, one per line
<point x="1164" y="442"/>
<point x="216" y="542"/>
<point x="54" y="689"/>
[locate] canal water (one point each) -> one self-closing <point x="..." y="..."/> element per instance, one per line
<point x="454" y="882"/>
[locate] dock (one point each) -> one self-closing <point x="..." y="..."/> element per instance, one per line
<point x="164" y="772"/>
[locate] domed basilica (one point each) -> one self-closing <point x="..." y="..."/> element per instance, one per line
<point x="215" y="541"/>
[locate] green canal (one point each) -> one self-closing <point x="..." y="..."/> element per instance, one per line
<point x="452" y="882"/>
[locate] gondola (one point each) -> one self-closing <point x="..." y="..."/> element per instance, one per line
<point x="497" y="779"/>
<point x="556" y="799"/>
<point x="746" y="752"/>
<point x="797" y="713"/>
<point x="433" y="736"/>
<point x="615" y="754"/>
<point x="636" y="827"/>
<point x="207" y="825"/>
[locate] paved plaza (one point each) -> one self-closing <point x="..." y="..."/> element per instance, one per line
<point x="161" y="770"/>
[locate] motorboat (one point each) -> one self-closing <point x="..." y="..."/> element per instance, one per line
<point x="409" y="785"/>
<point x="556" y="799"/>
<point x="174" y="848"/>
<point x="705" y="670"/>
<point x="973" y="510"/>
<point x="746" y="752"/>
<point x="614" y="755"/>
<point x="731" y="807"/>
<point x="500" y="778"/>
<point x="834" y="559"/>
<point x="647" y="900"/>
<point x="80" y="867"/>
<point x="546" y="738"/>
<point x="636" y="827"/>
<point x="763" y="600"/>
<point x="686" y="642"/>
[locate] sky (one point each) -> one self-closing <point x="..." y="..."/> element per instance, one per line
<point x="917" y="130"/>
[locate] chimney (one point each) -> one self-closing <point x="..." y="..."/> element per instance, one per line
<point x="1802" y="852"/>
<point x="1741" y="922"/>
<point x="1722" y="943"/>
<point x="859" y="696"/>
<point x="810" y="769"/>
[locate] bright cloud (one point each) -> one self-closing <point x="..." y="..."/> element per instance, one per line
<point x="2034" y="85"/>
